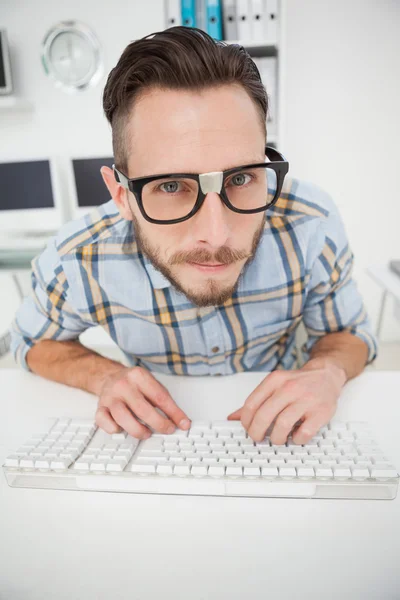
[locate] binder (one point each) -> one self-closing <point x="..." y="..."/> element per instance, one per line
<point x="272" y="22"/>
<point x="173" y="16"/>
<point x="229" y="20"/>
<point x="188" y="11"/>
<point x="243" y="20"/>
<point x="267" y="65"/>
<point x="201" y="14"/>
<point x="258" y="16"/>
<point x="214" y="19"/>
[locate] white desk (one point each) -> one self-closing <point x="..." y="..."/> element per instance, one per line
<point x="74" y="545"/>
<point x="390" y="282"/>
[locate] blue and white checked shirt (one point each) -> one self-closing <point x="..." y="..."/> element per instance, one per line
<point x="91" y="273"/>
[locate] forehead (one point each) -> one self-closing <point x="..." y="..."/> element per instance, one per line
<point x="193" y="131"/>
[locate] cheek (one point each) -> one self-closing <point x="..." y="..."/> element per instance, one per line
<point x="246" y="228"/>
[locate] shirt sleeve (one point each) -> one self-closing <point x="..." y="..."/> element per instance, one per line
<point x="46" y="313"/>
<point x="333" y="302"/>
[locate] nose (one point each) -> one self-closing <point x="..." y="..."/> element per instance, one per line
<point x="211" y="221"/>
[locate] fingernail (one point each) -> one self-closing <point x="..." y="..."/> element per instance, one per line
<point x="171" y="429"/>
<point x="184" y="423"/>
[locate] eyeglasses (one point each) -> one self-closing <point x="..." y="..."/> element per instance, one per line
<point x="176" y="197"/>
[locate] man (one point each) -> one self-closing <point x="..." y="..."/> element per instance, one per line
<point x="204" y="262"/>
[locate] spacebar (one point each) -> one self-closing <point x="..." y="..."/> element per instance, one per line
<point x="270" y="489"/>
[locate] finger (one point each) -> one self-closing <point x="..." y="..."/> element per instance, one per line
<point x="141" y="408"/>
<point x="266" y="414"/>
<point x="158" y="394"/>
<point x="104" y="420"/>
<point x="263" y="392"/>
<point x="311" y="425"/>
<point x="123" y="416"/>
<point x="286" y="421"/>
<point x="235" y="415"/>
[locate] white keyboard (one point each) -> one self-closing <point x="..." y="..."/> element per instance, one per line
<point x="215" y="458"/>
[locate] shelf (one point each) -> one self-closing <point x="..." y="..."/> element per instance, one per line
<point x="14" y="103"/>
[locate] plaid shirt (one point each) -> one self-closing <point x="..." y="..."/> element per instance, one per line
<point x="92" y="273"/>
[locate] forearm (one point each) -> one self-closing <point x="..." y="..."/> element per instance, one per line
<point x="72" y="364"/>
<point x="345" y="351"/>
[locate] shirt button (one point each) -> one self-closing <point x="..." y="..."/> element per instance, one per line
<point x="215" y="349"/>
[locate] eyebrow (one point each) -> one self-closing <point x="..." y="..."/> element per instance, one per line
<point x="243" y="164"/>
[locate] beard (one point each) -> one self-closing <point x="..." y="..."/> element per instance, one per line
<point x="213" y="292"/>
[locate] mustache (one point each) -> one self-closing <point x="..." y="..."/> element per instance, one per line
<point x="224" y="255"/>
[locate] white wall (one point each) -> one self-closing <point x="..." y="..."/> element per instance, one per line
<point x="342" y="125"/>
<point x="340" y="118"/>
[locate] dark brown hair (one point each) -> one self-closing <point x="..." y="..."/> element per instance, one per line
<point x="176" y="58"/>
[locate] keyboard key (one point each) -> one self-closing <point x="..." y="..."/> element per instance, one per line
<point x="277" y="462"/>
<point x="12" y="460"/>
<point x="252" y="471"/>
<point x="200" y="425"/>
<point x="216" y="446"/>
<point x="98" y="465"/>
<point x="181" y="470"/>
<point x="210" y="461"/>
<point x="305" y="472"/>
<point x="382" y="473"/>
<point x="143" y="468"/>
<point x="199" y="469"/>
<point x="227" y="425"/>
<point x="360" y="473"/>
<point x="288" y="472"/>
<point x="165" y="469"/>
<point x="269" y="472"/>
<point x="234" y="471"/>
<point x="60" y="464"/>
<point x="119" y="436"/>
<point x="323" y="472"/>
<point x="228" y="460"/>
<point x="42" y="463"/>
<point x="114" y="465"/>
<point x="216" y="471"/>
<point x="341" y="472"/>
<point x="82" y="465"/>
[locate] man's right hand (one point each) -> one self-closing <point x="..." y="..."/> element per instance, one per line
<point x="133" y="393"/>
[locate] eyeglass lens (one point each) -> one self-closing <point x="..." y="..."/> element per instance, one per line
<point x="167" y="199"/>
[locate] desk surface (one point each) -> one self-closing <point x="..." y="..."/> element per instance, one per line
<point x="76" y="545"/>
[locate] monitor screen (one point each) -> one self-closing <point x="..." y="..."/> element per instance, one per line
<point x="25" y="185"/>
<point x="2" y="70"/>
<point x="5" y="65"/>
<point x="90" y="187"/>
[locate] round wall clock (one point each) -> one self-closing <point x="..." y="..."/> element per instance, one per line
<point x="71" y="56"/>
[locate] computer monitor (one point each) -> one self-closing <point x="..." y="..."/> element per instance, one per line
<point x="6" y="86"/>
<point x="90" y="189"/>
<point x="30" y="199"/>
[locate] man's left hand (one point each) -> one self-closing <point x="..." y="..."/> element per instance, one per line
<point x="309" y="394"/>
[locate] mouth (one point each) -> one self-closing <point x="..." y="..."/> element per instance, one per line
<point x="208" y="267"/>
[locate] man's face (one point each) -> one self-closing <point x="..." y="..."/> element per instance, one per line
<point x="190" y="132"/>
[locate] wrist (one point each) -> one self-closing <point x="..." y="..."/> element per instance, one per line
<point x="109" y="371"/>
<point x="329" y="363"/>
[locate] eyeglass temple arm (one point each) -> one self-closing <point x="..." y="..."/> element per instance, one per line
<point x="120" y="178"/>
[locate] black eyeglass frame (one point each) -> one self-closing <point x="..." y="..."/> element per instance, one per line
<point x="136" y="185"/>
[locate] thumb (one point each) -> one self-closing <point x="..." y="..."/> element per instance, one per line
<point x="235" y="416"/>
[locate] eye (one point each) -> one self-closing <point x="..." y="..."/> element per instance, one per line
<point x="170" y="187"/>
<point x="239" y="179"/>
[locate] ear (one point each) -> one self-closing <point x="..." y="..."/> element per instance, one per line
<point x="118" y="193"/>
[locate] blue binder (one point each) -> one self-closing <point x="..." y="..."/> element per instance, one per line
<point x="188" y="8"/>
<point x="214" y="19"/>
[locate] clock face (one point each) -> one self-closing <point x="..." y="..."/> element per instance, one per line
<point x="71" y="56"/>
